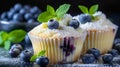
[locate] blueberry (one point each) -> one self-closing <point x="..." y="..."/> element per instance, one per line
<point x="53" y="24"/>
<point x="35" y="10"/>
<point x="28" y="42"/>
<point x="31" y="21"/>
<point x="23" y="11"/>
<point x="83" y="18"/>
<point x="26" y="55"/>
<point x="95" y="52"/>
<point x="14" y="52"/>
<point x="42" y="61"/>
<point x="10" y="14"/>
<point x="3" y="15"/>
<point x="35" y="16"/>
<point x="117" y="47"/>
<point x="88" y="58"/>
<point x="18" y="46"/>
<point x="116" y="41"/>
<point x="17" y="6"/>
<point x="28" y="16"/>
<point x="18" y="17"/>
<point x="114" y="52"/>
<point x="107" y="58"/>
<point x="74" y="23"/>
<point x="27" y="7"/>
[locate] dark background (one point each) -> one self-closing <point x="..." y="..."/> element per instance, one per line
<point x="110" y="7"/>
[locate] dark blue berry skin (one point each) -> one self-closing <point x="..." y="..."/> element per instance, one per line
<point x="27" y="7"/>
<point x="74" y="23"/>
<point x="4" y="15"/>
<point x="31" y="21"/>
<point x="114" y="52"/>
<point x="26" y="55"/>
<point x="83" y="18"/>
<point x="117" y="41"/>
<point x="53" y="24"/>
<point x="107" y="58"/>
<point x="14" y="52"/>
<point x="18" y="17"/>
<point x="42" y="61"/>
<point x="18" y="46"/>
<point x="117" y="47"/>
<point x="10" y="14"/>
<point x="28" y="42"/>
<point x="23" y="11"/>
<point x="28" y="16"/>
<point x="35" y="10"/>
<point x="95" y="52"/>
<point x="88" y="58"/>
<point x="17" y="7"/>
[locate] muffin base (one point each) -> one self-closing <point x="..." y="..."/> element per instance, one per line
<point x="59" y="50"/>
<point x="100" y="39"/>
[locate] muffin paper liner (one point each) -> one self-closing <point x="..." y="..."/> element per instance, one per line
<point x="59" y="50"/>
<point x="100" y="39"/>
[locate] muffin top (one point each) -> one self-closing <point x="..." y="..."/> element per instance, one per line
<point x="61" y="32"/>
<point x="100" y="22"/>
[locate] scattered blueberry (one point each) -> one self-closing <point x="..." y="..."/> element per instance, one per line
<point x="31" y="21"/>
<point x="42" y="61"/>
<point x="10" y="14"/>
<point x="18" y="46"/>
<point x="116" y="41"/>
<point x="114" y="52"/>
<point x="18" y="17"/>
<point x="27" y="7"/>
<point x="88" y="58"/>
<point x="14" y="52"/>
<point x="107" y="58"/>
<point x="95" y="52"/>
<point x="4" y="15"/>
<point x="28" y="16"/>
<point x="36" y="15"/>
<point x="23" y="11"/>
<point x="83" y="18"/>
<point x="35" y="10"/>
<point x="53" y="24"/>
<point x="74" y="23"/>
<point x="28" y="42"/>
<point x="26" y="55"/>
<point x="17" y="6"/>
<point x="117" y="47"/>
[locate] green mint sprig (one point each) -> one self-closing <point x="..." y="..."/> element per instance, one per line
<point x="91" y="10"/>
<point x="34" y="57"/>
<point x="14" y="36"/>
<point x="51" y="13"/>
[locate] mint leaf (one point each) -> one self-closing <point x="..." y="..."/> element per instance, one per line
<point x="50" y="9"/>
<point x="33" y="58"/>
<point x="93" y="9"/>
<point x="62" y="10"/>
<point x="7" y="45"/>
<point x="17" y="36"/>
<point x="44" y="17"/>
<point x="42" y="53"/>
<point x="84" y="9"/>
<point x="3" y="37"/>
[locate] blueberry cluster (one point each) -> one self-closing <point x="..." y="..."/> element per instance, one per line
<point x="25" y="55"/>
<point x="15" y="50"/>
<point x="20" y="13"/>
<point x="93" y="54"/>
